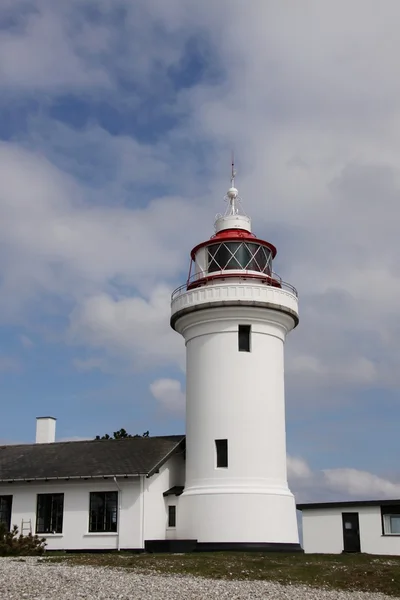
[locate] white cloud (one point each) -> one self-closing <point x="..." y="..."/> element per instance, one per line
<point x="337" y="484"/>
<point x="360" y="483"/>
<point x="297" y="468"/>
<point x="310" y="103"/>
<point x="169" y="393"/>
<point x="40" y="54"/>
<point x="134" y="328"/>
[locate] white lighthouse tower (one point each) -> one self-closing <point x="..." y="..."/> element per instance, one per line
<point x="234" y="313"/>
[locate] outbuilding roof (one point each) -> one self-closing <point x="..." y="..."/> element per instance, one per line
<point x="87" y="459"/>
<point x="347" y="504"/>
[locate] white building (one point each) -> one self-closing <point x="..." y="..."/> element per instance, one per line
<point x="234" y="314"/>
<point x="89" y="495"/>
<point x="372" y="527"/>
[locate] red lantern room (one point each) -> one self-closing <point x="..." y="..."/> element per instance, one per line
<point x="233" y="252"/>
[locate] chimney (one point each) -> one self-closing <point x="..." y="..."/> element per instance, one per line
<point x="45" y="430"/>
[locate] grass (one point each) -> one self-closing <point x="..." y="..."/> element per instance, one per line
<point x="343" y="571"/>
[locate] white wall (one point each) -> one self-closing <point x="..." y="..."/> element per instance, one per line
<point x="76" y="512"/>
<point x="323" y="533"/>
<point x="155" y="505"/>
<point x="142" y="516"/>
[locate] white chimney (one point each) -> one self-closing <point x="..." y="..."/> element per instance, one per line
<point x="45" y="430"/>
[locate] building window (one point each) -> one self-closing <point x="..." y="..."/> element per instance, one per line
<point x="391" y="519"/>
<point x="49" y="513"/>
<point x="103" y="512"/>
<point x="171" y="516"/>
<point x="244" y="338"/>
<point x="5" y="510"/>
<point x="221" y="447"/>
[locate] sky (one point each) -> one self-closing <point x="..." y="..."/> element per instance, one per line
<point x="117" y="122"/>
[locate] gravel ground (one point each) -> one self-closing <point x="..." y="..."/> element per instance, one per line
<point x="34" y="579"/>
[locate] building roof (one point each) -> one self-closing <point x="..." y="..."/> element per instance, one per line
<point x="87" y="459"/>
<point x="347" y="504"/>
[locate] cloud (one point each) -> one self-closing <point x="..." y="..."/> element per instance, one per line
<point x="360" y="483"/>
<point x="297" y="468"/>
<point x="337" y="484"/>
<point x="316" y="138"/>
<point x="39" y="52"/>
<point x="59" y="245"/>
<point x="132" y="327"/>
<point x="169" y="393"/>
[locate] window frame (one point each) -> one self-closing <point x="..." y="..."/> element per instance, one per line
<point x="109" y="497"/>
<point x="221" y="453"/>
<point x="53" y="513"/>
<point x="387" y="514"/>
<point x="6" y="502"/>
<point x="171" y="516"/>
<point x="244" y="338"/>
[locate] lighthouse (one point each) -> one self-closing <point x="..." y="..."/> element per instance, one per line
<point x="234" y="314"/>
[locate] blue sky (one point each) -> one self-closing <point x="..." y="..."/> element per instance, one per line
<point x="117" y="120"/>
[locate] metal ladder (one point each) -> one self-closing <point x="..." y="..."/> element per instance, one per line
<point x="26" y="525"/>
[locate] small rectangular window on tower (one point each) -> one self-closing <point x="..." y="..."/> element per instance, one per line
<point x="244" y="338"/>
<point x="172" y="516"/>
<point x="221" y="447"/>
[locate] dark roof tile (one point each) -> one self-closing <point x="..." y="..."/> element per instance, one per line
<point x="95" y="458"/>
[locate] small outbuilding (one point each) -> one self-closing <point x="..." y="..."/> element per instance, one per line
<point x="369" y="526"/>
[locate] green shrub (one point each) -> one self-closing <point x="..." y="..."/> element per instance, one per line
<point x="14" y="544"/>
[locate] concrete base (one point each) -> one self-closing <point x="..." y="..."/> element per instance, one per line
<point x="170" y="546"/>
<point x="259" y="517"/>
<point x="185" y="546"/>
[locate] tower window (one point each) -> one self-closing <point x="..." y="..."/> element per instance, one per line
<point x="172" y="516"/>
<point x="244" y="338"/>
<point x="221" y="447"/>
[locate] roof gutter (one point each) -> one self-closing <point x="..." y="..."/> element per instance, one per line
<point x="69" y="477"/>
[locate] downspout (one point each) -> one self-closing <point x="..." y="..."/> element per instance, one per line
<point x="118" y="512"/>
<point x="142" y="510"/>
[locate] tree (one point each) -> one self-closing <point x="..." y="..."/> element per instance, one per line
<point x="121" y="434"/>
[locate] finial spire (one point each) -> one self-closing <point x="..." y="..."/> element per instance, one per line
<point x="234" y="216"/>
<point x="232" y="194"/>
<point x="233" y="172"/>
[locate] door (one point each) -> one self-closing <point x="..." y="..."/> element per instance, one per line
<point x="351" y="532"/>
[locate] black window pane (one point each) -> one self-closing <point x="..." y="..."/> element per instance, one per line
<point x="103" y="512"/>
<point x="239" y="255"/>
<point x="244" y="332"/>
<point x="49" y="513"/>
<point x="221" y="447"/>
<point x="5" y="510"/>
<point x="260" y="258"/>
<point x="171" y="516"/>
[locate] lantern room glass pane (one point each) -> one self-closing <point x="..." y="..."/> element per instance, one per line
<point x="243" y="256"/>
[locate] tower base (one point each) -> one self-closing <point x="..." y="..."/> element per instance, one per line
<point x="263" y="519"/>
<point x="188" y="546"/>
<point x="248" y="547"/>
